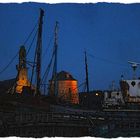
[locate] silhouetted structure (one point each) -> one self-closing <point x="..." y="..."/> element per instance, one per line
<point x="91" y="100"/>
<point x="67" y="87"/>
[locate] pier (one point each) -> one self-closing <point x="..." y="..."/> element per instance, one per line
<point x="50" y="124"/>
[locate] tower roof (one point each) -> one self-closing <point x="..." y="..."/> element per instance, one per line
<point x="63" y="75"/>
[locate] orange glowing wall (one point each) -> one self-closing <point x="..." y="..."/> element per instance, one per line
<point x="68" y="91"/>
<point x="22" y="80"/>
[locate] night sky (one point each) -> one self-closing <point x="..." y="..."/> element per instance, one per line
<point x="110" y="33"/>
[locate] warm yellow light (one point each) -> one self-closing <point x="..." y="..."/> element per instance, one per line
<point x="22" y="80"/>
<point x="97" y="94"/>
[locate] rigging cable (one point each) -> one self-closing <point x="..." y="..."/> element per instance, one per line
<point x="46" y="73"/>
<point x="49" y="65"/>
<point x="30" y="34"/>
<point x="31" y="43"/>
<point x="106" y="60"/>
<point x="14" y="85"/>
<point x="33" y="67"/>
<point x="49" y="44"/>
<point x="47" y="70"/>
<point x="4" y="69"/>
<point x="44" y="78"/>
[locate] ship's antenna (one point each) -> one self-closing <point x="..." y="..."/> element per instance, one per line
<point x="134" y="66"/>
<point x="55" y="59"/>
<point x="113" y="85"/>
<point x="39" y="51"/>
<point x="86" y="67"/>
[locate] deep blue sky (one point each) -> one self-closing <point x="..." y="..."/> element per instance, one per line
<point x="109" y="32"/>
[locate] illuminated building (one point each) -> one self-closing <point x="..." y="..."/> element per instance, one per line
<point x="22" y="77"/>
<point x="67" y="88"/>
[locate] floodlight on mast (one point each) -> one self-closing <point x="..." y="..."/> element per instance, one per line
<point x="134" y="66"/>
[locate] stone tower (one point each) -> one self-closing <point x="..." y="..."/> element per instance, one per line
<point x="22" y="78"/>
<point x="67" y="88"/>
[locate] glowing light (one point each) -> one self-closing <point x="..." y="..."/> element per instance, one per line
<point x="22" y="80"/>
<point x="67" y="90"/>
<point x="97" y="94"/>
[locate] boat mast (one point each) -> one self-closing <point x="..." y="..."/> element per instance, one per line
<point x="86" y="67"/>
<point x="39" y="51"/>
<point x="55" y="59"/>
